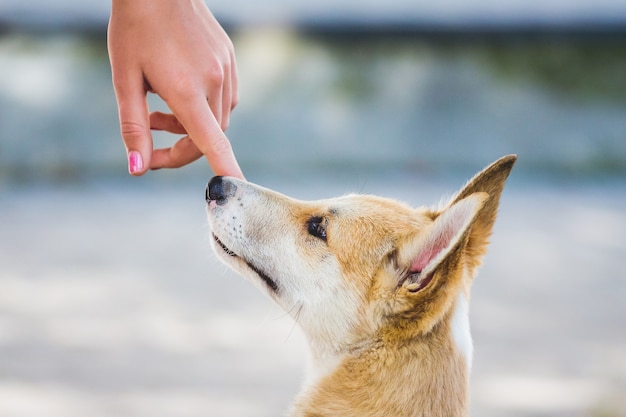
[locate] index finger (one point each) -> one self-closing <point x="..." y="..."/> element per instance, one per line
<point x="201" y="125"/>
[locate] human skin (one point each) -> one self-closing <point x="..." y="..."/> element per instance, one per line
<point x="177" y="50"/>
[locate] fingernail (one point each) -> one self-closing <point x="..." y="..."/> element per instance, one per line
<point x="135" y="163"/>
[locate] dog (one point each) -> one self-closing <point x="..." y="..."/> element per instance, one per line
<point x="380" y="289"/>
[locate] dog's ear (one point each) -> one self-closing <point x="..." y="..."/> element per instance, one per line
<point x="455" y="241"/>
<point x="491" y="181"/>
<point x="466" y="221"/>
<point x="447" y="234"/>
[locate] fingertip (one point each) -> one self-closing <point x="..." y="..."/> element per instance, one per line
<point x="136" y="165"/>
<point x="228" y="169"/>
<point x="239" y="174"/>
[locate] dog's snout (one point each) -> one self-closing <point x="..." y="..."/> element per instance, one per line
<point x="220" y="189"/>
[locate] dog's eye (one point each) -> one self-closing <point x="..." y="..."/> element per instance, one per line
<point x="316" y="226"/>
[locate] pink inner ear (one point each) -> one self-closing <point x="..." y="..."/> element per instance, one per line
<point x="438" y="242"/>
<point x="426" y="255"/>
<point x="446" y="227"/>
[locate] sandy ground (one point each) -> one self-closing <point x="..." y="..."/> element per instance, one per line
<point x="111" y="304"/>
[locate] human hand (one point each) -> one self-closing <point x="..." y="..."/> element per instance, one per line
<point x="176" y="49"/>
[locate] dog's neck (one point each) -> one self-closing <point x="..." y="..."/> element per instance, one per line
<point x="424" y="376"/>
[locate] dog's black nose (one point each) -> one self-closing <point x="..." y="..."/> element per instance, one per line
<point x="215" y="189"/>
<point x="220" y="189"/>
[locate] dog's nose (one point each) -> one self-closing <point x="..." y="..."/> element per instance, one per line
<point x="220" y="189"/>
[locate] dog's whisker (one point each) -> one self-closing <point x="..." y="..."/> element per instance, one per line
<point x="296" y="318"/>
<point x="287" y="313"/>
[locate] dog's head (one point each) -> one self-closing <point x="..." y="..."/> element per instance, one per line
<point x="358" y="266"/>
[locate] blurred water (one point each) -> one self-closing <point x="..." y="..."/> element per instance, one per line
<point x="601" y="14"/>
<point x="111" y="303"/>
<point x="313" y="103"/>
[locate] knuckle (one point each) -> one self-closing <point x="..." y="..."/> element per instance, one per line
<point x="131" y="130"/>
<point x="220" y="146"/>
<point x="234" y="101"/>
<point x="215" y="74"/>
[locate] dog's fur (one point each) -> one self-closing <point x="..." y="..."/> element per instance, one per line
<point x="380" y="289"/>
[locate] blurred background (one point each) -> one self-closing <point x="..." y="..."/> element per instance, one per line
<point x="111" y="302"/>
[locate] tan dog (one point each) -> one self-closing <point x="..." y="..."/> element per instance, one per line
<point x="380" y="289"/>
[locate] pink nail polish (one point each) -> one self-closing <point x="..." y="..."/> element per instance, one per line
<point x="135" y="163"/>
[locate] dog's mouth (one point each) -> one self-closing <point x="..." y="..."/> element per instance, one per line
<point x="271" y="284"/>
<point x="223" y="246"/>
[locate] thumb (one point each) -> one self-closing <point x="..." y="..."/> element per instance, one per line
<point x="135" y="126"/>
